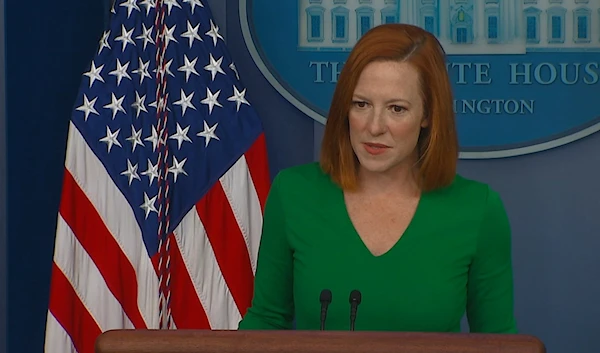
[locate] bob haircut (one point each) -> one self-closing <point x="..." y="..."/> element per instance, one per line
<point x="438" y="142"/>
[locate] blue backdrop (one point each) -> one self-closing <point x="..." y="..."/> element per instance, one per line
<point x="551" y="197"/>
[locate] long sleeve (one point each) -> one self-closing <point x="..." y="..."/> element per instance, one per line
<point x="272" y="305"/>
<point x="490" y="284"/>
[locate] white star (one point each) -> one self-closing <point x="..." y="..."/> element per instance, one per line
<point x="138" y="105"/>
<point x="150" y="4"/>
<point x="152" y="171"/>
<point x="142" y="70"/>
<point x="88" y="107"/>
<point x="177" y="168"/>
<point x="211" y="100"/>
<point x="154" y="139"/>
<point x="130" y="5"/>
<point x="116" y="105"/>
<point x="167" y="69"/>
<point x="94" y="73"/>
<point x="120" y="72"/>
<point x="131" y="172"/>
<point x="148" y="205"/>
<point x="170" y="37"/>
<point x="135" y="138"/>
<point x="208" y="133"/>
<point x="192" y="33"/>
<point x="214" y="67"/>
<point x="188" y="67"/>
<point x="104" y="41"/>
<point x="111" y="138"/>
<point x="170" y="4"/>
<point x="238" y="97"/>
<point x="185" y="102"/>
<point x="214" y="33"/>
<point x="155" y="105"/>
<point x="146" y="36"/>
<point x="125" y="37"/>
<point x="181" y="135"/>
<point x="193" y="4"/>
<point x="232" y="67"/>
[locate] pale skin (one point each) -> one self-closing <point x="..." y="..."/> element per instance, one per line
<point x="385" y="120"/>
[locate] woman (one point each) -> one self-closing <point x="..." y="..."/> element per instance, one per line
<point x="384" y="211"/>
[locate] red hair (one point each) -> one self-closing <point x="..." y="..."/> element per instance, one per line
<point x="438" y="142"/>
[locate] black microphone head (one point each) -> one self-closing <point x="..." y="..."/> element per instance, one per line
<point x="355" y="296"/>
<point x="325" y="296"/>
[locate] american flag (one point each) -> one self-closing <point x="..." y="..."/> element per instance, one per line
<point x="164" y="184"/>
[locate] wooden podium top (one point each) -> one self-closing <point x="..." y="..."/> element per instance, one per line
<point x="206" y="341"/>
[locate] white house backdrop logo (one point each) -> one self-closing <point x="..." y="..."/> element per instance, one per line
<point x="525" y="73"/>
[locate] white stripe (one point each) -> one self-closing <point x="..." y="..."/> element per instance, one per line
<point x="87" y="281"/>
<point x="201" y="264"/>
<point x="111" y="205"/>
<point x="57" y="339"/>
<point x="243" y="199"/>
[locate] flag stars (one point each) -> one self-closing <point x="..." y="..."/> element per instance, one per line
<point x="148" y="205"/>
<point x="192" y="33"/>
<point x="188" y="67"/>
<point x="234" y="69"/>
<point x="153" y="138"/>
<point x="169" y="36"/>
<point x="146" y="35"/>
<point x="185" y="102"/>
<point x="214" y="67"/>
<point x="104" y="41"/>
<point x="142" y="70"/>
<point x="170" y="4"/>
<point x="120" y="71"/>
<point x="214" y="33"/>
<point x="111" y="138"/>
<point x="211" y="100"/>
<point x="135" y="138"/>
<point x="130" y="5"/>
<point x="177" y="168"/>
<point x="94" y="73"/>
<point x="131" y="172"/>
<point x="125" y="37"/>
<point x="151" y="172"/>
<point x="116" y="105"/>
<point x="193" y="4"/>
<point x="208" y="133"/>
<point x="88" y="107"/>
<point x="181" y="135"/>
<point x="138" y="105"/>
<point x="150" y="4"/>
<point x="238" y="97"/>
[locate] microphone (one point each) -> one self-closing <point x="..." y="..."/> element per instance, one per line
<point x="325" y="299"/>
<point x="355" y="298"/>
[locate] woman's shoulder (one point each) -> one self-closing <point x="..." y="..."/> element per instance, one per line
<point x="467" y="191"/>
<point x="299" y="175"/>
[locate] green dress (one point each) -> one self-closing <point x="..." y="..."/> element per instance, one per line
<point x="454" y="258"/>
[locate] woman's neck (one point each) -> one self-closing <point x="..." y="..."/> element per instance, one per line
<point x="400" y="181"/>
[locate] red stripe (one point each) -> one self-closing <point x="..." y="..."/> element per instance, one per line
<point x="71" y="314"/>
<point x="186" y="308"/>
<point x="256" y="158"/>
<point x="228" y="245"/>
<point x="81" y="216"/>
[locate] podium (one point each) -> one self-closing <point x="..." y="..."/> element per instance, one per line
<point x="290" y="341"/>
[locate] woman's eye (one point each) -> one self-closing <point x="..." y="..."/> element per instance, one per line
<point x="360" y="104"/>
<point x="397" y="109"/>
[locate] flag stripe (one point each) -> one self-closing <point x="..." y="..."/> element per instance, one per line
<point x="208" y="281"/>
<point x="91" y="232"/>
<point x="259" y="168"/>
<point x="228" y="245"/>
<point x="58" y="340"/>
<point x="79" y="269"/>
<point x="186" y="307"/>
<point x="120" y="229"/>
<point x="70" y="312"/>
<point x="241" y="195"/>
